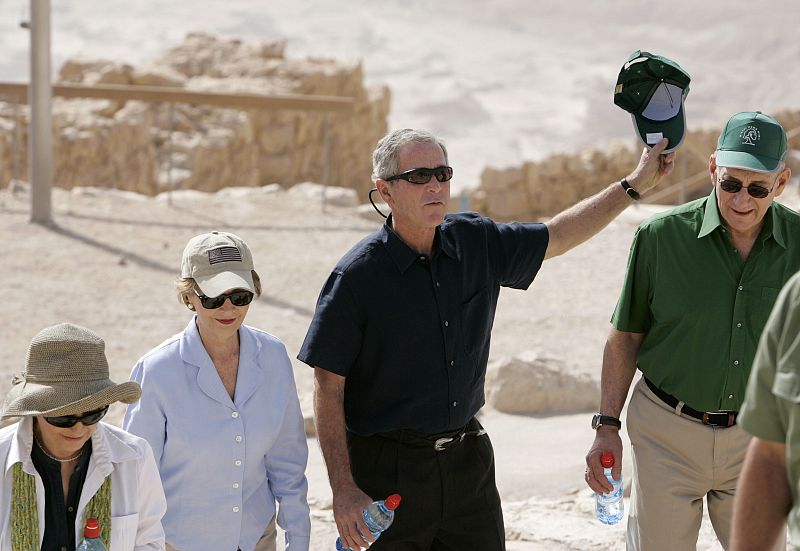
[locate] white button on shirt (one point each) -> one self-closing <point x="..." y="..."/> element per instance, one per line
<point x="191" y="422"/>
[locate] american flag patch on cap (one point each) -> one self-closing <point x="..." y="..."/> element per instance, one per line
<point x="224" y="254"/>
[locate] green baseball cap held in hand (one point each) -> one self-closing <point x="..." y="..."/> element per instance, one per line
<point x="652" y="89"/>
<point x="752" y="141"/>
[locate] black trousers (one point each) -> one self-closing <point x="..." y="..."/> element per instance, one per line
<point x="450" y="499"/>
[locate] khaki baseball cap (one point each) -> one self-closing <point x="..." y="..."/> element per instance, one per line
<point x="218" y="261"/>
<point x="752" y="141"/>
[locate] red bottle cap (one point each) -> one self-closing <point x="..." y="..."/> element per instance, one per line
<point x="607" y="459"/>
<point x="393" y="501"/>
<point x="92" y="529"/>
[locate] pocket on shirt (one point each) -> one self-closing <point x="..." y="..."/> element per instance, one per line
<point x="123" y="532"/>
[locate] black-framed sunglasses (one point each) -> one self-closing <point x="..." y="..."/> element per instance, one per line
<point x="423" y="175"/>
<point x="754" y="190"/>
<point x="238" y="298"/>
<point x="88" y="418"/>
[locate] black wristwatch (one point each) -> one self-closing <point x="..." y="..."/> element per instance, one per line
<point x="599" y="420"/>
<point x="632" y="193"/>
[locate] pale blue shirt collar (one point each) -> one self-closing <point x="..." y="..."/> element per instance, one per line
<point x="249" y="376"/>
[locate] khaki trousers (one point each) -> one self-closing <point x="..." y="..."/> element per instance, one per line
<point x="265" y="542"/>
<point x="677" y="462"/>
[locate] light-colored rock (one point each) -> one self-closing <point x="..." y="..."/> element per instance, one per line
<point x="157" y="75"/>
<point x="332" y="195"/>
<point x="533" y="383"/>
<point x="182" y="195"/>
<point x="94" y="71"/>
<point x="241" y="192"/>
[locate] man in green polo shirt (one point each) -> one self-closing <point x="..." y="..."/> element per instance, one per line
<point x="701" y="281"/>
<point x="771" y="413"/>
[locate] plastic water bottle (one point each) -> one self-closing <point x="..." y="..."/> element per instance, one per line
<point x="91" y="537"/>
<point x="610" y="507"/>
<point x="378" y="515"/>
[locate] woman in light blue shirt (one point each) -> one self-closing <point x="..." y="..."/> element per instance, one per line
<point x="219" y="407"/>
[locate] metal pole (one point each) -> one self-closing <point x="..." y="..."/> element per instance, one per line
<point x="40" y="145"/>
<point x="325" y="161"/>
<point x="17" y="148"/>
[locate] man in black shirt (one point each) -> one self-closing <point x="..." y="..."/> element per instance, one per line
<point x="400" y="342"/>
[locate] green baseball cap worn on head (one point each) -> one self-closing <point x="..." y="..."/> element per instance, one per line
<point x="652" y="89"/>
<point x="752" y="141"/>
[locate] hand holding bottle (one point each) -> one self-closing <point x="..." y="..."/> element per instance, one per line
<point x="609" y="506"/>
<point x="605" y="440"/>
<point x="378" y="516"/>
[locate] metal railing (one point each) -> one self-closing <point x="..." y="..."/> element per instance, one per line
<point x="13" y="92"/>
<point x="162" y="94"/>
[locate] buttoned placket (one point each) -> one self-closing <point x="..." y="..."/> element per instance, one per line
<point x="449" y="325"/>
<point x="744" y="287"/>
<point x="238" y="461"/>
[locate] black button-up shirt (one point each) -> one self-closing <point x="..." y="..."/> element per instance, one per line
<point x="410" y="333"/>
<point x="60" y="511"/>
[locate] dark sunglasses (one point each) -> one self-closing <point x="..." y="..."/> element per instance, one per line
<point x="238" y="298"/>
<point x="423" y="175"/>
<point x="67" y="421"/>
<point x="755" y="190"/>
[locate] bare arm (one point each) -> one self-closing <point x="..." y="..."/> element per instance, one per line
<point x="578" y="223"/>
<point x="348" y="499"/>
<point x="619" y="367"/>
<point x="763" y="497"/>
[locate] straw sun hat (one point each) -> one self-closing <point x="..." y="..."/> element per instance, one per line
<point x="66" y="374"/>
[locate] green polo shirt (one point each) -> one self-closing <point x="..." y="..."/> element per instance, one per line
<point x="771" y="408"/>
<point x="700" y="307"/>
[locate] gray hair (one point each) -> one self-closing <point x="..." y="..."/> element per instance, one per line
<point x="385" y="162"/>
<point x="780" y="168"/>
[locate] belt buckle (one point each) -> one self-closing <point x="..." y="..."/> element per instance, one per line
<point x="439" y="445"/>
<point x="442" y="443"/>
<point x="719" y="418"/>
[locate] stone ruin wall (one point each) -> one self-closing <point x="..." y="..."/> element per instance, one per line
<point x="149" y="148"/>
<point x="537" y="190"/>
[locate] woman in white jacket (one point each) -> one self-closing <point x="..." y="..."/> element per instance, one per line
<point x="62" y="466"/>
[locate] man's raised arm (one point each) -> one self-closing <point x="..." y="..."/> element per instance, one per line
<point x="578" y="223"/>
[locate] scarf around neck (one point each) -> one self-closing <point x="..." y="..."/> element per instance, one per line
<point x="24" y="521"/>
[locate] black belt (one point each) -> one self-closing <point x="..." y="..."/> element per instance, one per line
<point x="711" y="418"/>
<point x="440" y="442"/>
